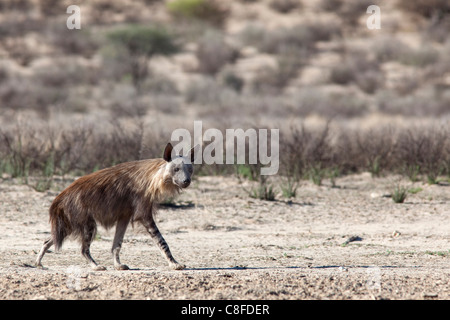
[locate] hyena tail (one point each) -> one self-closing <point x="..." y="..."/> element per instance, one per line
<point x="60" y="226"/>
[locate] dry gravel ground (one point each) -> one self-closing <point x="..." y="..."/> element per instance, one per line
<point x="236" y="247"/>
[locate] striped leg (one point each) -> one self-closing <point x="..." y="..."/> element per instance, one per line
<point x="162" y="244"/>
<point x="47" y="244"/>
<point x="89" y="231"/>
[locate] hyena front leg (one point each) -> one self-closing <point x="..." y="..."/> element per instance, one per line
<point x="162" y="244"/>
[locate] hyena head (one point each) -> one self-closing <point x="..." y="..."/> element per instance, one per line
<point x="180" y="168"/>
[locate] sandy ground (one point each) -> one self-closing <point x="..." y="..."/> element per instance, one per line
<point x="236" y="247"/>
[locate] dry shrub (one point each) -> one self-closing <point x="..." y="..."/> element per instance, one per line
<point x="274" y="79"/>
<point x="38" y="148"/>
<point x="20" y="93"/>
<point x="351" y="10"/>
<point x="54" y="7"/>
<point x="307" y="101"/>
<point x="285" y="6"/>
<point x="302" y="148"/>
<point x="410" y="151"/>
<point x="16" y="5"/>
<point x="213" y="53"/>
<point x="426" y="149"/>
<point x="18" y="24"/>
<point x="50" y="85"/>
<point x="425" y="8"/>
<point x="357" y="68"/>
<point x="437" y="29"/>
<point x="427" y="102"/>
<point x="329" y="5"/>
<point x="71" y="42"/>
<point x="393" y="49"/>
<point x="377" y="147"/>
<point x="301" y="36"/>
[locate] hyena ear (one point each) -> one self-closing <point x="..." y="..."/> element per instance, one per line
<point x="194" y="151"/>
<point x="168" y="152"/>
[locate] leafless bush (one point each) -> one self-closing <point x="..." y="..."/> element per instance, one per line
<point x="393" y="49"/>
<point x="285" y="6"/>
<point x="425" y="150"/>
<point x="64" y="72"/>
<point x="70" y="42"/>
<point x="37" y="148"/>
<point x="329" y="5"/>
<point x="425" y="8"/>
<point x="389" y="48"/>
<point x="307" y="101"/>
<point x="357" y="68"/>
<point x="53" y="7"/>
<point x="351" y="10"/>
<point x="18" y="24"/>
<point x="208" y="92"/>
<point x="16" y="5"/>
<point x="377" y="146"/>
<point x="22" y="93"/>
<point x="302" y="149"/>
<point x="19" y="50"/>
<point x="213" y="53"/>
<point x="289" y="63"/>
<point x="302" y="36"/>
<point x="23" y="150"/>
<point x="437" y="28"/>
<point x="427" y="102"/>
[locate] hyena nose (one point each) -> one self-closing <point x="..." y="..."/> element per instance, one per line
<point x="187" y="181"/>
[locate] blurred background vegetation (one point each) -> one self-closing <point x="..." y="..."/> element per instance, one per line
<point x="345" y="98"/>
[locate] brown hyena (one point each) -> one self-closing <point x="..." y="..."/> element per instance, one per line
<point x="115" y="196"/>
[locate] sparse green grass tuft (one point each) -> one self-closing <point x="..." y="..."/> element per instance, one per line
<point x="264" y="191"/>
<point x="415" y="190"/>
<point x="289" y="188"/>
<point x="399" y="194"/>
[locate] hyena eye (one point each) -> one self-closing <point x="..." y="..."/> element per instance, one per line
<point x="176" y="169"/>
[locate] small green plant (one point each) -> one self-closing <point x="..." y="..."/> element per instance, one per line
<point x="432" y="178"/>
<point x="333" y="174"/>
<point x="415" y="190"/>
<point x="374" y="167"/>
<point x="413" y="171"/>
<point x="247" y="171"/>
<point x="263" y="191"/>
<point x="43" y="184"/>
<point x="316" y="174"/>
<point x="399" y="194"/>
<point x="438" y="253"/>
<point x="289" y="189"/>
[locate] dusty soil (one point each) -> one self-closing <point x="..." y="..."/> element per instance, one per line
<point x="347" y="242"/>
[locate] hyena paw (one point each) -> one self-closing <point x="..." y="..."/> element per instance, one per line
<point x="121" y="267"/>
<point x="98" y="268"/>
<point x="177" y="266"/>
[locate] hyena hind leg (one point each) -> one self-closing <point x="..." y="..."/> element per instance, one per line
<point x="88" y="235"/>
<point x="47" y="244"/>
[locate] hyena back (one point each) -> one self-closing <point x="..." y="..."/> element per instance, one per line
<point x="115" y="196"/>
